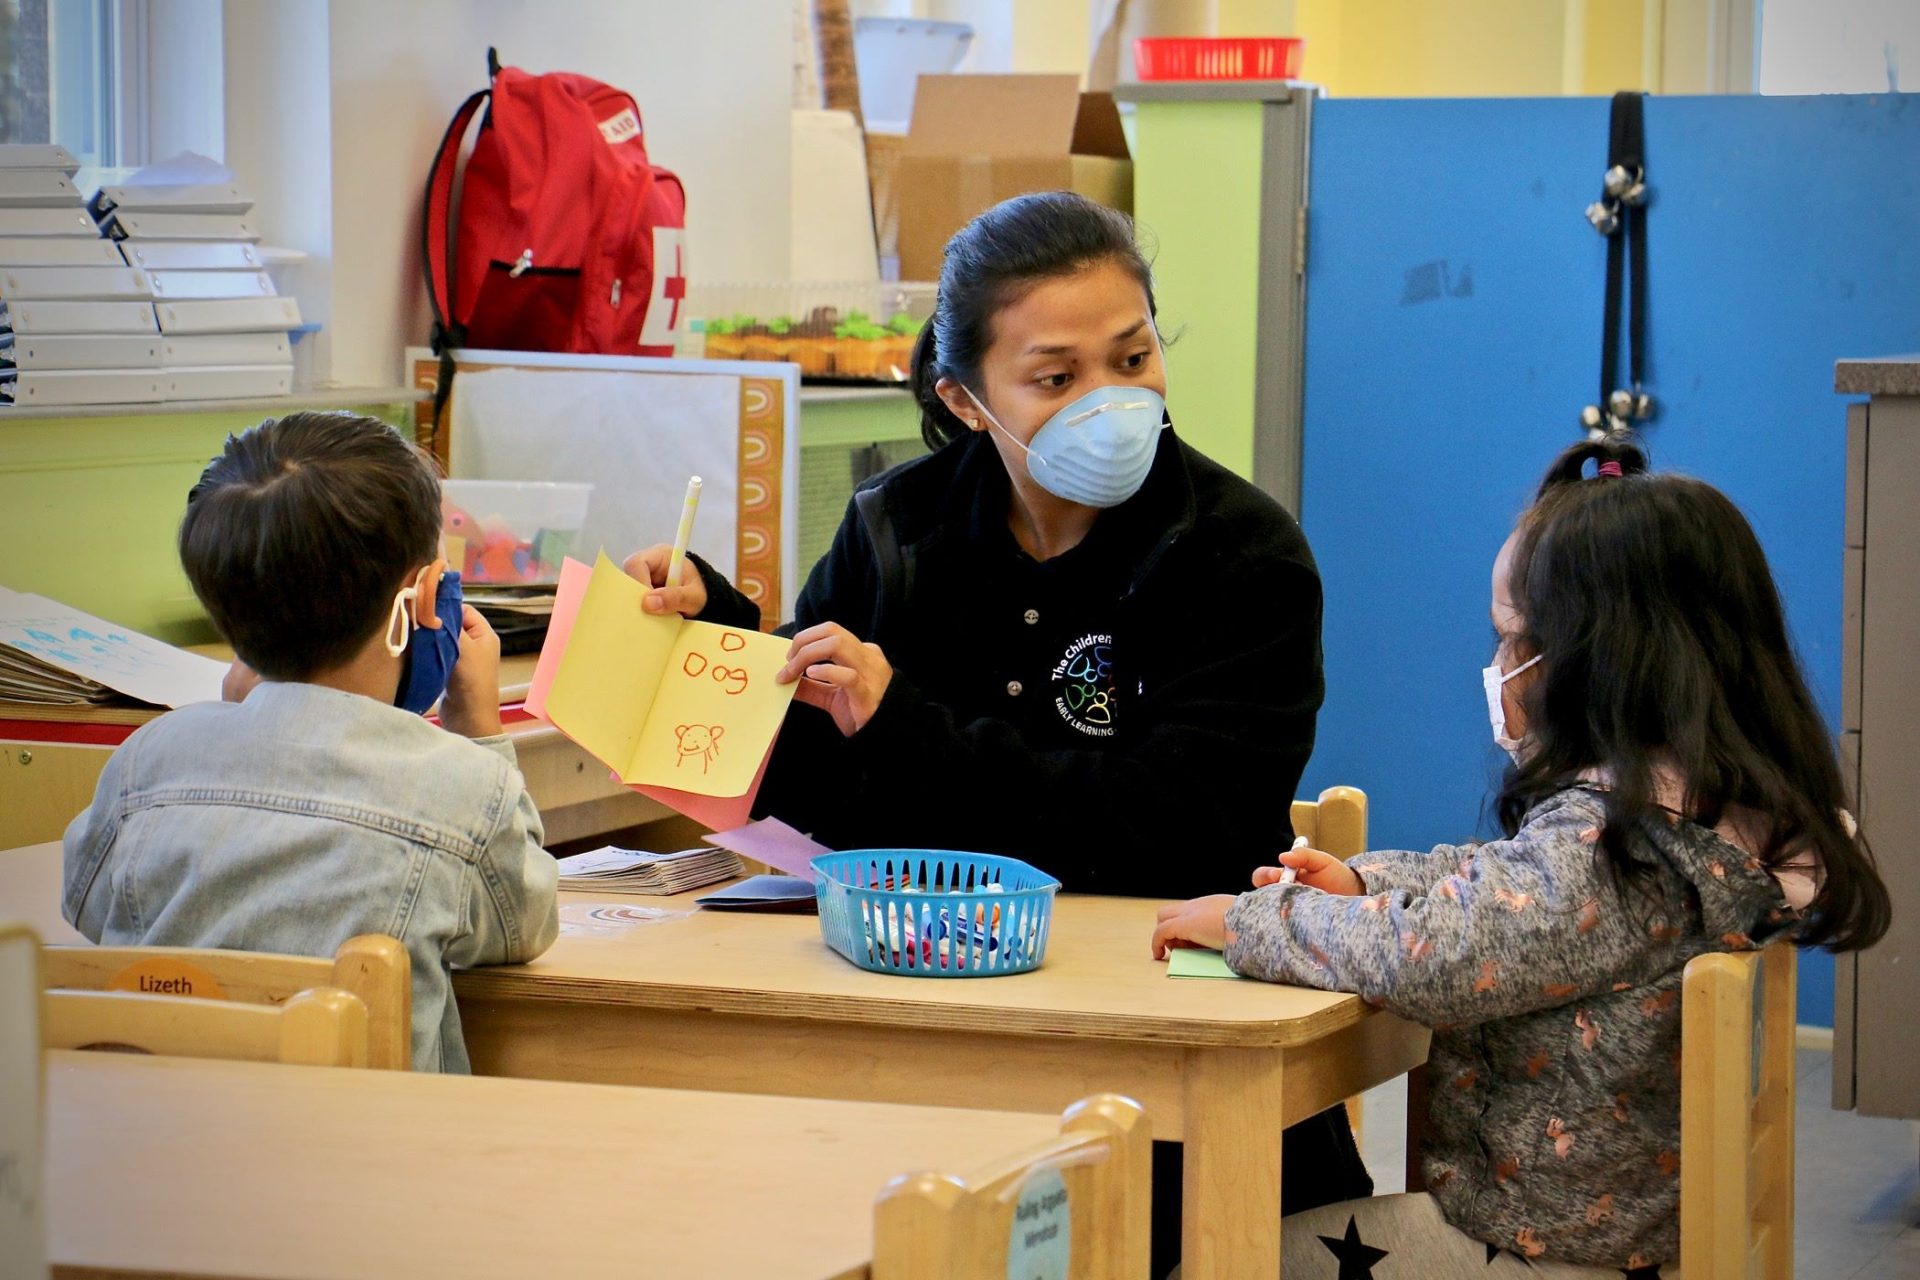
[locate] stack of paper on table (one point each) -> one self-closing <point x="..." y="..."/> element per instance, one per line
<point x="683" y="711"/>
<point x="54" y="656"/>
<point x="76" y="320"/>
<point x="223" y="326"/>
<point x="611" y="870"/>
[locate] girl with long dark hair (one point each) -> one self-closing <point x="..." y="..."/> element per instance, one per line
<point x="1674" y="791"/>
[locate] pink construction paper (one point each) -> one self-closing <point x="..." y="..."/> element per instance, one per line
<point x="717" y="813"/>
<point x="773" y="842"/>
<point x="574" y="577"/>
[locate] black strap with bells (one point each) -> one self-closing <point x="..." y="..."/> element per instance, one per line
<point x="1621" y="216"/>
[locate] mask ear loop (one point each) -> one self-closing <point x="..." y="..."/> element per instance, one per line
<point x="426" y="593"/>
<point x="1011" y="439"/>
<point x="398" y="622"/>
<point x="1508" y="675"/>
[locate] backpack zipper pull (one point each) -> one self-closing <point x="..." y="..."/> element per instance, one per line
<point x="616" y="293"/>
<point x="520" y="267"/>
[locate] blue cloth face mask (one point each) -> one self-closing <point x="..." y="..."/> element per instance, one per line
<point x="1098" y="450"/>
<point x="426" y="666"/>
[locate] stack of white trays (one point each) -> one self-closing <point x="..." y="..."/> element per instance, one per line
<point x="223" y="328"/>
<point x="76" y="322"/>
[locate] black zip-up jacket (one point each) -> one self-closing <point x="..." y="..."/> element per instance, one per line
<point x="1131" y="716"/>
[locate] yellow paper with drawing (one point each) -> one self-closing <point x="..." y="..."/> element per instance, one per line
<point x="665" y="702"/>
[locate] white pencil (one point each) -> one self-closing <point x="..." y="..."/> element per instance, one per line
<point x="684" y="534"/>
<point x="1290" y="874"/>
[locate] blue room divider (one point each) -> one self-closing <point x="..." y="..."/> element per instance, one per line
<point x="1452" y="335"/>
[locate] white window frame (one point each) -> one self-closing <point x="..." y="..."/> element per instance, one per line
<point x="129" y="74"/>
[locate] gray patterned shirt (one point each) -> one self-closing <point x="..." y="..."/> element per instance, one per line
<point x="1554" y="1089"/>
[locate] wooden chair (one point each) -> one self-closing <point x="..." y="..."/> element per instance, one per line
<point x="929" y="1226"/>
<point x="1736" y="1115"/>
<point x="1336" y="823"/>
<point x="324" y="1027"/>
<point x="372" y="966"/>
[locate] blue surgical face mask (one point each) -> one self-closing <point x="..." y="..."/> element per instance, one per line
<point x="1098" y="450"/>
<point x="426" y="664"/>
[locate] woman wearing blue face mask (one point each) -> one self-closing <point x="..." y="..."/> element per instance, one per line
<point x="1064" y="634"/>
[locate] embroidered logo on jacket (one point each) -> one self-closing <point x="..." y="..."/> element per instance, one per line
<point x="1083" y="686"/>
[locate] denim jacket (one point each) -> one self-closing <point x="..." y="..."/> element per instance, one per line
<point x="303" y="816"/>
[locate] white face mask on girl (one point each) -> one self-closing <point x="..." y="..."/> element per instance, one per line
<point x="1492" y="679"/>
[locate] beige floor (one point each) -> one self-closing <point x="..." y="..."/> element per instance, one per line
<point x="1857" y="1183"/>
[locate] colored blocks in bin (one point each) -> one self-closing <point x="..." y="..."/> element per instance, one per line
<point x="933" y="913"/>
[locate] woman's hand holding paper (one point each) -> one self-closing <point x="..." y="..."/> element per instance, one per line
<point x="845" y="676"/>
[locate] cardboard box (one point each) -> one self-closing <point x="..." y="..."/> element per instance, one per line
<point x="883" y="158"/>
<point x="976" y="140"/>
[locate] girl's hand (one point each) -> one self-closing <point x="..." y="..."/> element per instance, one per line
<point x="649" y="569"/>
<point x="845" y="677"/>
<point x="472" y="705"/>
<point x="1316" y="870"/>
<point x="1199" y="923"/>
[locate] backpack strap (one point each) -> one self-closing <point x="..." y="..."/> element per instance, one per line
<point x="437" y="234"/>
<point x="871" y="503"/>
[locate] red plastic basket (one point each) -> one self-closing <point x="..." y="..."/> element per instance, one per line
<point x="1217" y="57"/>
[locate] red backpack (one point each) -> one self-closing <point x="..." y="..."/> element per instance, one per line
<point x="569" y="238"/>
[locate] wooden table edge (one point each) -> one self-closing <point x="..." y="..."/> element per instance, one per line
<point x="514" y="985"/>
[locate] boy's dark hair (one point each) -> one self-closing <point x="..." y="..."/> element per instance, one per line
<point x="297" y="536"/>
<point x="1663" y="640"/>
<point x="990" y="263"/>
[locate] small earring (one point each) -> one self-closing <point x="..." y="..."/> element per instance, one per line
<point x="973" y="424"/>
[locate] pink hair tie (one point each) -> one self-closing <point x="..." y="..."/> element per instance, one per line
<point x="1608" y="468"/>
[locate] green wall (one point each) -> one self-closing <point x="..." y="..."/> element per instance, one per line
<point x="1196" y="197"/>
<point x="89" y="508"/>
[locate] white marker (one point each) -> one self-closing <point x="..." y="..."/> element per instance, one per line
<point x="684" y="534"/>
<point x="1290" y="874"/>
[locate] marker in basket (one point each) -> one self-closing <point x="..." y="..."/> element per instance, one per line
<point x="684" y="533"/>
<point x="1290" y="874"/>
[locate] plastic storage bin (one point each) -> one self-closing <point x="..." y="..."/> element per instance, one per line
<point x="510" y="532"/>
<point x="931" y="913"/>
<point x="1217" y="57"/>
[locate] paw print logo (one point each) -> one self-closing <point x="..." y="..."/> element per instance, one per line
<point x="1087" y="696"/>
<point x="1094" y="667"/>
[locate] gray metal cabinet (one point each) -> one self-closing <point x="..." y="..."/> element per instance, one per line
<point x="1876" y="1062"/>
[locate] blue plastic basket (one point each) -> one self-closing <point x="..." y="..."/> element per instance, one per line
<point x="932" y="913"/>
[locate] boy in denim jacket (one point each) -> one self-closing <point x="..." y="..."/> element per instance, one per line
<point x="317" y="803"/>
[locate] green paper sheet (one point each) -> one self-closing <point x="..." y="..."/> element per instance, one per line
<point x="1192" y="962"/>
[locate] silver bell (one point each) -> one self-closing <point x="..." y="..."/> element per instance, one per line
<point x="1590" y="418"/>
<point x="1620" y="403"/>
<point x="1636" y="194"/>
<point x="1618" y="426"/>
<point x="1642" y="407"/>
<point x="1605" y="217"/>
<point x="1617" y="180"/>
